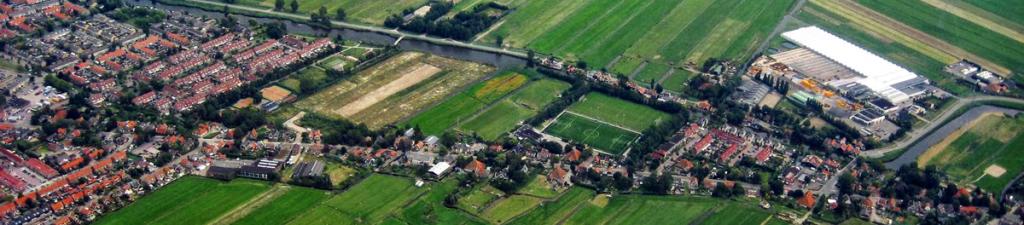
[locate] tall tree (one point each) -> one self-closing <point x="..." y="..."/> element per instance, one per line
<point x="295" y="5"/>
<point x="340" y="14"/>
<point x="278" y="5"/>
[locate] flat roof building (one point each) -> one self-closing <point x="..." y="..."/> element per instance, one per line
<point x="883" y="78"/>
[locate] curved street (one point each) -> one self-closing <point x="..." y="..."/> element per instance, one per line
<point x="939" y="121"/>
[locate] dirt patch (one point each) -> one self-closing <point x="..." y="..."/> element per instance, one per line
<point x="770" y="100"/>
<point x="933" y="151"/>
<point x="275" y="93"/>
<point x="420" y="73"/>
<point x="818" y="123"/>
<point x="995" y="171"/>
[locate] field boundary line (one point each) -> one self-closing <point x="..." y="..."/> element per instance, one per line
<point x="638" y="69"/>
<point x="243" y="210"/>
<point x="490" y="105"/>
<point x="601" y="121"/>
<point x="977" y="19"/>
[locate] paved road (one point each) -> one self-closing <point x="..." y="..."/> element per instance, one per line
<point x="936" y="123"/>
<point x="392" y="32"/>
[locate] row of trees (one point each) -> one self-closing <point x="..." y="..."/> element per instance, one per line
<point x="462" y="26"/>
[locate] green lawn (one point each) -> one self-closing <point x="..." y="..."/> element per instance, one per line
<point x="284" y="208"/>
<point x="642" y="209"/>
<point x="477" y="199"/>
<point x="430" y="208"/>
<point x="552" y="212"/>
<point x="992" y="141"/>
<point x="502" y="210"/>
<point x="678" y="80"/>
<point x="971" y="37"/>
<point x="377" y="197"/>
<point x="189" y="200"/>
<point x="616" y="111"/>
<point x="539" y="93"/>
<point x="737" y="214"/>
<point x="626" y="65"/>
<point x="593" y="133"/>
<point x="539" y="187"/>
<point x="463" y="106"/>
<point x="653" y="71"/>
<point x="494" y="122"/>
<point x="1010" y="10"/>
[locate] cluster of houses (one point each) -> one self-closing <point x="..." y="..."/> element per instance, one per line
<point x="194" y="75"/>
<point x="19" y="17"/>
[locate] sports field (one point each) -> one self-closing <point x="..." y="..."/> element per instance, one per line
<point x="991" y="45"/>
<point x="596" y="134"/>
<point x="394" y="89"/>
<point x="189" y="200"/>
<point x="618" y="112"/>
<point x="985" y="154"/>
<point x="503" y="116"/>
<point x="669" y="32"/>
<point x="361" y="11"/>
<point x="464" y="105"/>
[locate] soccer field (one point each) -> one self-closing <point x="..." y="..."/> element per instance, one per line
<point x="596" y="134"/>
<point x="619" y="112"/>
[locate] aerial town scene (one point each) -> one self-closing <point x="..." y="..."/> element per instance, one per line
<point x="492" y="112"/>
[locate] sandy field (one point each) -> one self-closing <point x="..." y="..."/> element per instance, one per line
<point x="422" y="72"/>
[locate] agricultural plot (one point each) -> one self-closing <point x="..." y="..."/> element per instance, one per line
<point x="314" y="76"/>
<point x="189" y="200"/>
<point x="985" y="154"/>
<point x="737" y="214"/>
<point x="394" y="89"/>
<point x="464" y="105"/>
<point x="677" y="80"/>
<point x="430" y="209"/>
<point x="284" y="208"/>
<point x="658" y="31"/>
<point x="974" y="38"/>
<point x="506" y="208"/>
<point x="553" y="212"/>
<point x="1010" y="10"/>
<point x="653" y="71"/>
<point x="596" y="134"/>
<point x="640" y="209"/>
<point x="377" y="195"/>
<point x="517" y="107"/>
<point x="478" y="199"/>
<point x="539" y="187"/>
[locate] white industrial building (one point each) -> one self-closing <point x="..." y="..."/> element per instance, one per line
<point x="868" y="72"/>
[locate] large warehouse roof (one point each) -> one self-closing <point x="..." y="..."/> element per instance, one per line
<point x="879" y="74"/>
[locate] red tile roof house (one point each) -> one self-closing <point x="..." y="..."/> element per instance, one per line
<point x="559" y="177"/>
<point x="477" y="168"/>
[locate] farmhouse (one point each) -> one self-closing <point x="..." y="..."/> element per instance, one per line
<point x="848" y="68"/>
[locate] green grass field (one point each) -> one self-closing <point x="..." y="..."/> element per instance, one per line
<point x="552" y="212"/>
<point x="539" y="187"/>
<point x="477" y="199"/>
<point x="377" y="197"/>
<point x="504" y="209"/>
<point x="640" y="209"/>
<point x="598" y="135"/>
<point x="1007" y="9"/>
<point x="430" y="209"/>
<point x="678" y="80"/>
<point x="285" y="207"/>
<point x="189" y="200"/>
<point x="668" y="32"/>
<point x="464" y="105"/>
<point x="517" y="107"/>
<point x="616" y="111"/>
<point x="958" y="31"/>
<point x="992" y="141"/>
<point x="737" y="214"/>
<point x="653" y="71"/>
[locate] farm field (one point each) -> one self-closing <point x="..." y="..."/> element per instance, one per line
<point x="658" y="31"/>
<point x="477" y="199"/>
<point x="992" y="46"/>
<point x="189" y="200"/>
<point x="596" y="134"/>
<point x="619" y="112"/>
<point x="378" y="196"/>
<point x="650" y="72"/>
<point x="539" y="187"/>
<point x="552" y="212"/>
<point x="521" y="105"/>
<point x="506" y="208"/>
<point x="913" y="53"/>
<point x="677" y="81"/>
<point x="984" y="154"/>
<point x="639" y="209"/>
<point x="284" y="208"/>
<point x="394" y="89"/>
<point x="361" y="11"/>
<point x="1007" y="9"/>
<point x="465" y="104"/>
<point x="738" y="214"/>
